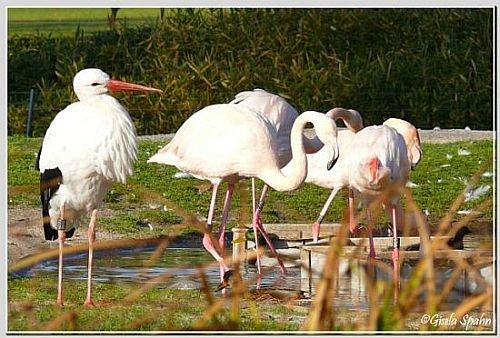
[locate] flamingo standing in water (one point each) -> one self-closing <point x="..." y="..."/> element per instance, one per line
<point x="354" y="122"/>
<point x="380" y="162"/>
<point x="281" y="115"/>
<point x="233" y="142"/>
<point x="378" y="159"/>
<point x="338" y="177"/>
<point x="88" y="146"/>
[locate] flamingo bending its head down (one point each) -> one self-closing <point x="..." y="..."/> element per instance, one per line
<point x="338" y="177"/>
<point x="411" y="137"/>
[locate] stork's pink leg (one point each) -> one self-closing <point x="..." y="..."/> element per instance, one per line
<point x="207" y="238"/>
<point x="61" y="236"/>
<point x="91" y="236"/>
<point x="317" y="224"/>
<point x="353" y="227"/>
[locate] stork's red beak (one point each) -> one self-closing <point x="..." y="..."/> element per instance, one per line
<point x="115" y="85"/>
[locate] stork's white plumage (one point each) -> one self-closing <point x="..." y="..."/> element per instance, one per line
<point x="89" y="145"/>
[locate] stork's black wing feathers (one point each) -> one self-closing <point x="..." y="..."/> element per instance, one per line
<point x="50" y="180"/>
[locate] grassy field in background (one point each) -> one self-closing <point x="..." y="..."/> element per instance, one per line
<point x="64" y="21"/>
<point x="153" y="188"/>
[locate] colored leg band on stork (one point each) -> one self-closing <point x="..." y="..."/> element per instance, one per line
<point x="396" y="243"/>
<point x="61" y="224"/>
<point x="260" y="206"/>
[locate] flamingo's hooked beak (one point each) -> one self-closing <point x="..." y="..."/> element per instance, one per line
<point x="116" y="85"/>
<point x="416" y="155"/>
<point x="334" y="159"/>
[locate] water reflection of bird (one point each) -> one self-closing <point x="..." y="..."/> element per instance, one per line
<point x="273" y="294"/>
<point x="227" y="142"/>
<point x="88" y="146"/>
<point x="250" y="236"/>
<point x="455" y="243"/>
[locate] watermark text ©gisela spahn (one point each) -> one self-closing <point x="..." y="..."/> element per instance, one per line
<point x="467" y="322"/>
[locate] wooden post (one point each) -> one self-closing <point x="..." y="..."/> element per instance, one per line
<point x="239" y="249"/>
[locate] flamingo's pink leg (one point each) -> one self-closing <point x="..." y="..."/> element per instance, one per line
<point x="207" y="239"/>
<point x="253" y="194"/>
<point x="256" y="234"/>
<point x="395" y="251"/>
<point x="222" y="228"/>
<point x="317" y="224"/>
<point x="353" y="227"/>
<point x="257" y="223"/>
<point x="370" y="234"/>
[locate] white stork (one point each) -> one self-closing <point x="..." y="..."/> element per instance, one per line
<point x="89" y="145"/>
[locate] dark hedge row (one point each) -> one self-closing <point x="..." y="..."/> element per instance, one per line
<point x="429" y="66"/>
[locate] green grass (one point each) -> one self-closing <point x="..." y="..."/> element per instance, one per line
<point x="64" y="21"/>
<point x="154" y="194"/>
<point x="158" y="309"/>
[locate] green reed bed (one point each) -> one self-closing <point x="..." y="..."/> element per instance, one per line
<point x="429" y="66"/>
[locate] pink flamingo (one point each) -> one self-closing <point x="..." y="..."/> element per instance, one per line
<point x="411" y="137"/>
<point x="380" y="162"/>
<point x="354" y="122"/>
<point x="337" y="178"/>
<point x="88" y="146"/>
<point x="281" y="115"/>
<point x="231" y="142"/>
<point x="377" y="160"/>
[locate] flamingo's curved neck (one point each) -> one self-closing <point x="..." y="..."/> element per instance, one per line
<point x="294" y="173"/>
<point x="351" y="118"/>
